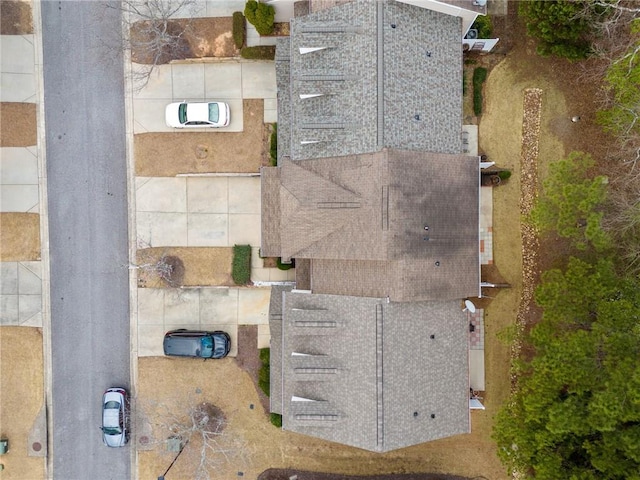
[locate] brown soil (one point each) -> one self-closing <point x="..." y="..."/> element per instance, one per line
<point x="201" y="266"/>
<point x="18" y="121"/>
<point x="21" y="398"/>
<point x="168" y="154"/>
<point x="287" y="474"/>
<point x="202" y="37"/>
<point x="19" y="237"/>
<point x="15" y="18"/>
<point x="248" y="358"/>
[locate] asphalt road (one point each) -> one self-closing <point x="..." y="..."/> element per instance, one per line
<point x="86" y="169"/>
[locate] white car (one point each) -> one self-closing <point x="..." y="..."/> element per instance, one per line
<point x="115" y="417"/>
<point x="197" y="115"/>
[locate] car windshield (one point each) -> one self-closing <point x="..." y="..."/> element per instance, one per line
<point x="214" y="113"/>
<point x="206" y="347"/>
<point x="112" y="430"/>
<point x="112" y="404"/>
<point x="182" y="113"/>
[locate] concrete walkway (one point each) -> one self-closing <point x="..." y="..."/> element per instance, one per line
<point x="20" y="282"/>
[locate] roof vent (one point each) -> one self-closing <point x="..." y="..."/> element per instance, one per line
<point x="393" y="25"/>
<point x="304" y="50"/>
<point x="437" y="264"/>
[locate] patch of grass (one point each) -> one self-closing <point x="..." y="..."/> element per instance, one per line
<point x="241" y="266"/>
<point x="273" y="146"/>
<point x="479" y="76"/>
<point x="260" y="52"/>
<point x="239" y="29"/>
<point x="264" y="373"/>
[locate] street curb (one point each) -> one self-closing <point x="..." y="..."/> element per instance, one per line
<point x="131" y="218"/>
<point x="44" y="235"/>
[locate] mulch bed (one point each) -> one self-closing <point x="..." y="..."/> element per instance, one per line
<point x="248" y="358"/>
<point x="281" y="474"/>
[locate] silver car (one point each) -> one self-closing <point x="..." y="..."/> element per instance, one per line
<point x="115" y="417"/>
<point x="197" y="115"/>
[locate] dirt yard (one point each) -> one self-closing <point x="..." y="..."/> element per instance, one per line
<point x="203" y="37"/>
<point x="18" y="122"/>
<point x="202" y="266"/>
<point x="20" y="400"/>
<point x="19" y="237"/>
<point x="168" y="154"/>
<point x="15" y="18"/>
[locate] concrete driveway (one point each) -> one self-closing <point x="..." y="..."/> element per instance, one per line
<point x="205" y="308"/>
<point x="222" y="80"/>
<point x="216" y="211"/>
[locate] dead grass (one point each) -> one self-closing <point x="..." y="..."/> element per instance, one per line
<point x="19" y="237"/>
<point x="168" y="154"/>
<point x="17" y="124"/>
<point x="202" y="265"/>
<point x="21" y="398"/>
<point x="225" y="384"/>
<point x="15" y="18"/>
<point x="204" y="37"/>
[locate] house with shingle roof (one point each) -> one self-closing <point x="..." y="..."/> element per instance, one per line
<point x="377" y="204"/>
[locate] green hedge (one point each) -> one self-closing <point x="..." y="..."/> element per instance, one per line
<point x="285" y="266"/>
<point x="273" y="147"/>
<point x="264" y="381"/>
<point x="261" y="52"/>
<point x="241" y="267"/>
<point x="276" y="419"/>
<point x="479" y="76"/>
<point x="239" y="29"/>
<point x="261" y="16"/>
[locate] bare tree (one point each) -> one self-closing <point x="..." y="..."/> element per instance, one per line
<point x="200" y="427"/>
<point x="168" y="268"/>
<point x="154" y="33"/>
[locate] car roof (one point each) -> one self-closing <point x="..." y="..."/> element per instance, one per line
<point x="198" y="112"/>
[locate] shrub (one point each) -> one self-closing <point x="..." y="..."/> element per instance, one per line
<point x="504" y="174"/>
<point x="479" y="76"/>
<point x="483" y="26"/>
<point x="273" y="147"/>
<point x="239" y="29"/>
<point x="276" y="419"/>
<point x="285" y="266"/>
<point x="261" y="16"/>
<point x="264" y="373"/>
<point x="260" y="52"/>
<point x="241" y="267"/>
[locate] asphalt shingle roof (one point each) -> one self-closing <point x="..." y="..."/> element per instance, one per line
<point x="372" y="374"/>
<point x="362" y="220"/>
<point x="387" y="74"/>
